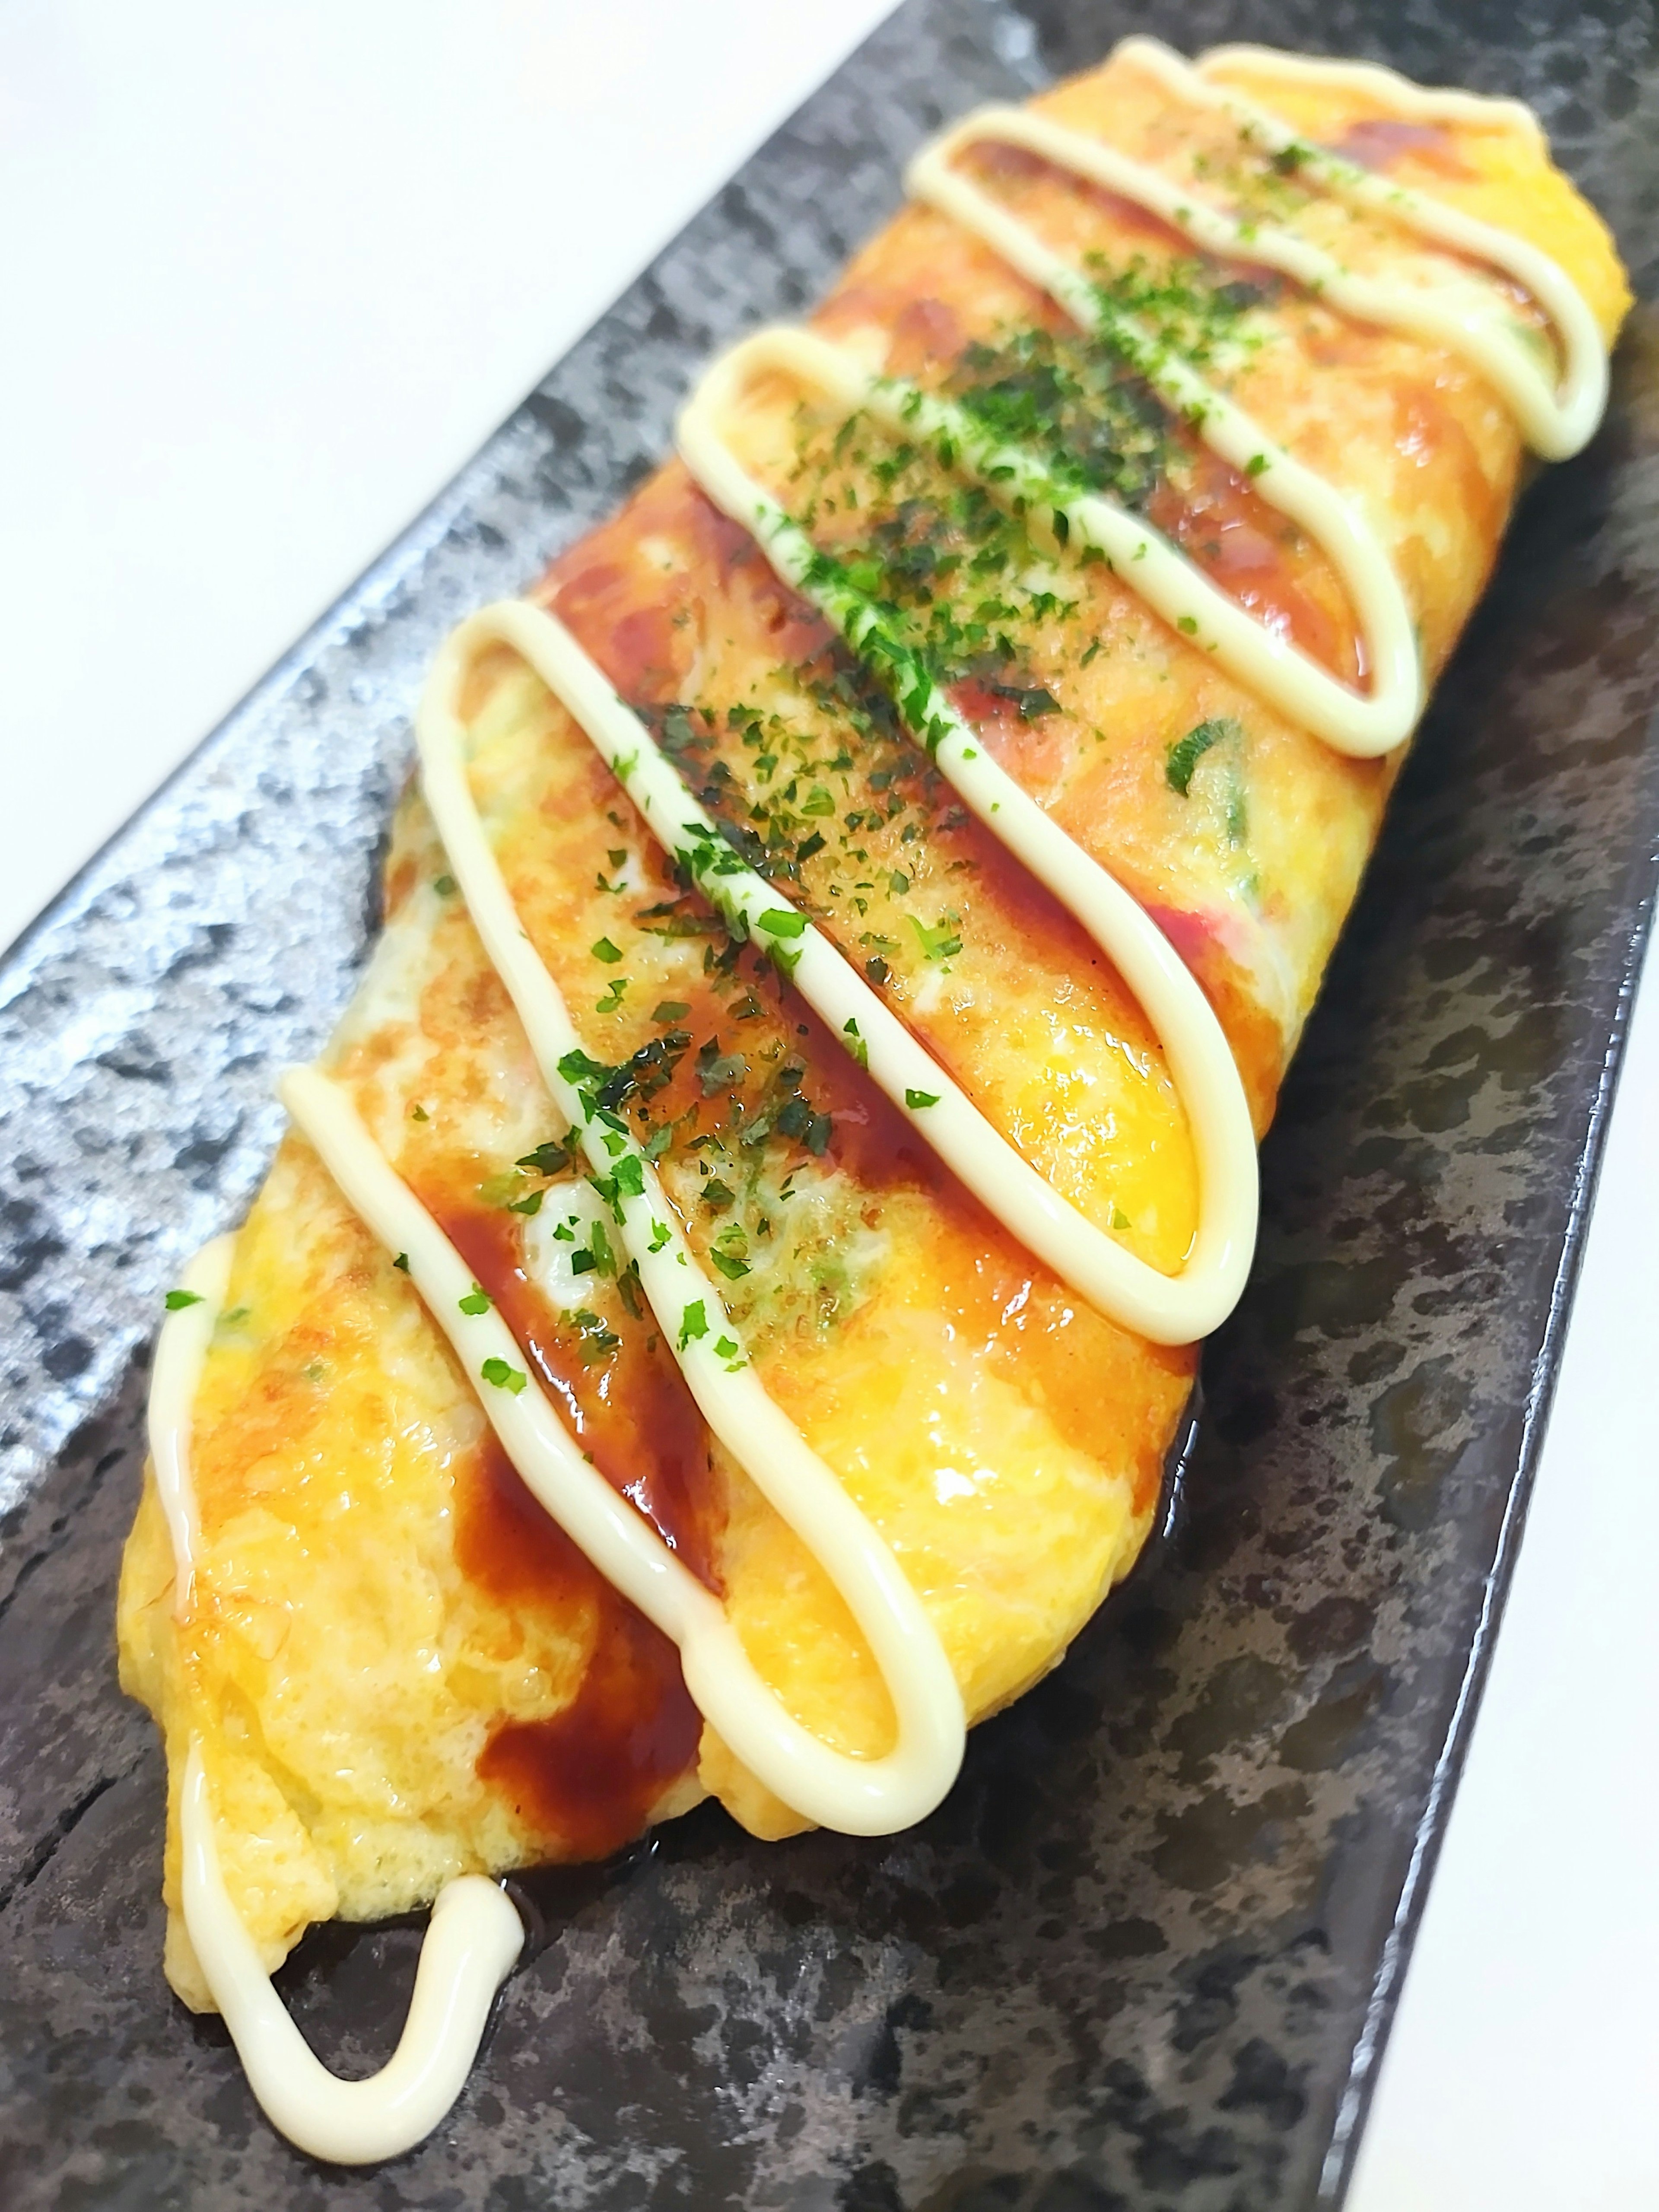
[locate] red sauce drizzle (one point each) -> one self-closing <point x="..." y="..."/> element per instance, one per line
<point x="1378" y="141"/>
<point x="642" y="628"/>
<point x="1221" y="524"/>
<point x="924" y="331"/>
<point x="991" y="158"/>
<point x="1240" y="542"/>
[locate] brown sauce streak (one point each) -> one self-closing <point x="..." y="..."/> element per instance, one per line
<point x="630" y="1412"/>
<point x="996" y="1295"/>
<point x="585" y="1780"/>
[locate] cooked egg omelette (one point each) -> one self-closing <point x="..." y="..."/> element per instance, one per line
<point x="396" y="1668"/>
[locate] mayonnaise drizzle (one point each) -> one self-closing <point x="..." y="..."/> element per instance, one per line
<point x="472" y="1941"/>
<point x="475" y="1934"/>
<point x="860" y="1796"/>
<point x="1427" y="103"/>
<point x="1556" y="419"/>
<point x="1361" y="725"/>
<point x="1169" y="1310"/>
<point x="180" y="1351"/>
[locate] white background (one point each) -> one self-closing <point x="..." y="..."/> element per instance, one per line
<point x="268" y="275"/>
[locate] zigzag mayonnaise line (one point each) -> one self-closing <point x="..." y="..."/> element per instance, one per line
<point x="180" y="1350"/>
<point x="1361" y="724"/>
<point x="475" y="1933"/>
<point x="1555" y="420"/>
<point x="1163" y="1307"/>
<point x="1347" y="721"/>
<point x="1427" y="103"/>
<point x="860" y="1796"/>
<point x="1169" y="1310"/>
<point x="474" y="1936"/>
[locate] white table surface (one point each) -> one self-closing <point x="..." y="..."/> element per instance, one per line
<point x="270" y="274"/>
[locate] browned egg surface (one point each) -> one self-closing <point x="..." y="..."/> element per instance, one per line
<point x="397" y="1666"/>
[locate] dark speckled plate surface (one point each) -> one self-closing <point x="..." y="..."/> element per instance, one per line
<point x="1144" y="1955"/>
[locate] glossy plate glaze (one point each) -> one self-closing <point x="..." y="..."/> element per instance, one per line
<point x="1144" y="1955"/>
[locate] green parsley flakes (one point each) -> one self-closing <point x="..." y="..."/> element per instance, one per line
<point x="503" y="1376"/>
<point x="916" y="1099"/>
<point x="1185" y="754"/>
<point x="939" y="940"/>
<point x="476" y="1301"/>
<point x="781" y="922"/>
<point x="550" y="1158"/>
<point x="178" y="1300"/>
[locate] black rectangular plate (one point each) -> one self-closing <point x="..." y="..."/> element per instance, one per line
<point x="1145" y="1955"/>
